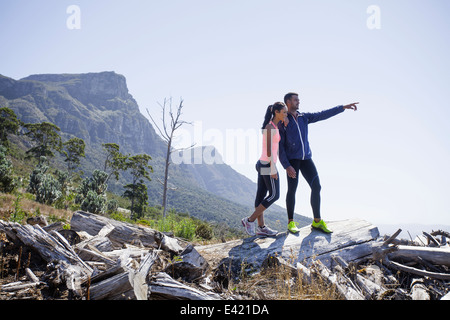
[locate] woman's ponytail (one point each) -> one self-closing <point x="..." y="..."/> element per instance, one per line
<point x="268" y="116"/>
<point x="270" y="112"/>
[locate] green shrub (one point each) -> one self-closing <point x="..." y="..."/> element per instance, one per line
<point x="118" y="216"/>
<point x="185" y="229"/>
<point x="6" y="178"/>
<point x="94" y="203"/>
<point x="36" y="178"/>
<point x="43" y="185"/>
<point x="92" y="192"/>
<point x="18" y="214"/>
<point x="204" y="231"/>
<point x="48" y="191"/>
<point x="112" y="206"/>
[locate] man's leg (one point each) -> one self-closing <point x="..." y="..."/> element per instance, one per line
<point x="309" y="172"/>
<point x="292" y="188"/>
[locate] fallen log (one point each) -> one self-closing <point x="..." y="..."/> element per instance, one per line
<point x="162" y="286"/>
<point x="130" y="251"/>
<point x="50" y="247"/>
<point x="370" y="289"/>
<point x="93" y="255"/>
<point x="122" y="233"/>
<point x="437" y="256"/>
<point x="392" y="238"/>
<point x="16" y="286"/>
<point x="343" y="284"/>
<point x="190" y="266"/>
<point x="147" y="262"/>
<point x="431" y="239"/>
<point x="112" y="271"/>
<point x="423" y="273"/>
<point x="352" y="239"/>
<point x="99" y="242"/>
<point x="121" y="282"/>
<point x="31" y="275"/>
<point x="444" y="236"/>
<point x="419" y="290"/>
<point x="113" y="288"/>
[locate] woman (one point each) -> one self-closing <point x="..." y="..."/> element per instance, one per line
<point x="267" y="171"/>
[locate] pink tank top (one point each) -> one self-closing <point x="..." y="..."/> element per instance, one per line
<point x="275" y="140"/>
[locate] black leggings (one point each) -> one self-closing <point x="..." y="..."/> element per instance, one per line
<point x="309" y="172"/>
<point x="266" y="183"/>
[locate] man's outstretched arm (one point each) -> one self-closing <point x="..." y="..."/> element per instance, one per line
<point x="323" y="115"/>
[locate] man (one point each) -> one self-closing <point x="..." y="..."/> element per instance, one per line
<point x="295" y="155"/>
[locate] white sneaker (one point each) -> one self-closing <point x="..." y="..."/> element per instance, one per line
<point x="265" y="231"/>
<point x="249" y="226"/>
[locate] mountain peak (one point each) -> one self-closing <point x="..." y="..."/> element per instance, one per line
<point x="87" y="86"/>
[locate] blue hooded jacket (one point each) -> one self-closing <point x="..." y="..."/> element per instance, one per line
<point x="294" y="138"/>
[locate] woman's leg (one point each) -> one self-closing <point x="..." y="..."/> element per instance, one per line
<point x="261" y="190"/>
<point x="273" y="186"/>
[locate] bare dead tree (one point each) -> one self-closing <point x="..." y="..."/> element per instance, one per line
<point x="169" y="126"/>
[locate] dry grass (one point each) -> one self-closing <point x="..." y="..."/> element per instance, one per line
<point x="278" y="283"/>
<point x="30" y="208"/>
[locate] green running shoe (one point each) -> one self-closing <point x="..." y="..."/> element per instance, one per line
<point x="292" y="227"/>
<point x="321" y="225"/>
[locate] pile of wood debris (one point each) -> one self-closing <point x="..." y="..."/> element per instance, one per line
<point x="104" y="259"/>
<point x="396" y="270"/>
<point x="98" y="258"/>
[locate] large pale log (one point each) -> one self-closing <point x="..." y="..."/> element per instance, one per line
<point x="119" y="283"/>
<point x="162" y="286"/>
<point x="437" y="256"/>
<point x="121" y="233"/>
<point x="352" y="239"/>
<point x="113" y="288"/>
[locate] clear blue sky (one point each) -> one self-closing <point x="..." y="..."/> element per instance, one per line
<point x="387" y="163"/>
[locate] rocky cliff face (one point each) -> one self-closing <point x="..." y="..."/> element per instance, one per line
<point x="90" y="87"/>
<point x="94" y="106"/>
